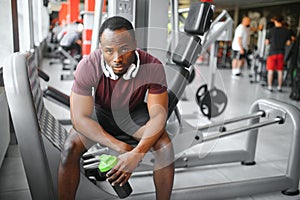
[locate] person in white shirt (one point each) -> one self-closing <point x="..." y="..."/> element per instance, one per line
<point x="240" y="45"/>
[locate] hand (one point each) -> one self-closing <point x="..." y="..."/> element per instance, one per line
<point x="242" y="51"/>
<point x="125" y="148"/>
<point x="124" y="168"/>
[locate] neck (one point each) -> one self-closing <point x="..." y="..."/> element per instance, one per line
<point x="278" y="24"/>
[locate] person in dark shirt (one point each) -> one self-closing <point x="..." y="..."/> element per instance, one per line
<point x="115" y="80"/>
<point x="291" y="55"/>
<point x="278" y="37"/>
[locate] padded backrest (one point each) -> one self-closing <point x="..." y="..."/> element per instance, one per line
<point x="187" y="50"/>
<point x="177" y="79"/>
<point x="199" y="18"/>
<point x="50" y="127"/>
<point x="32" y="123"/>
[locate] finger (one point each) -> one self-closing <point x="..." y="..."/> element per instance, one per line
<point x="122" y="179"/>
<point x="127" y="176"/>
<point x="113" y="170"/>
<point x="114" y="176"/>
<point x="118" y="180"/>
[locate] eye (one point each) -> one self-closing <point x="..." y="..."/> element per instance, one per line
<point x="124" y="49"/>
<point x="108" y="51"/>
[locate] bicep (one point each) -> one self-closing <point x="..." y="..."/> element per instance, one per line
<point x="80" y="106"/>
<point x="158" y="104"/>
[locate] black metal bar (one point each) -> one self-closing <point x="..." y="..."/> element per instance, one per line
<point x="14" y="12"/>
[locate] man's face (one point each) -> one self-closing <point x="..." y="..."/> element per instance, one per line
<point x="118" y="49"/>
<point x="247" y="21"/>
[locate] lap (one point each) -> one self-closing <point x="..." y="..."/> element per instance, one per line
<point x="122" y="123"/>
<point x="128" y="126"/>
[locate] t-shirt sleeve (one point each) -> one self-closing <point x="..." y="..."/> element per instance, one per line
<point x="158" y="82"/>
<point x="85" y="78"/>
<point x="239" y="32"/>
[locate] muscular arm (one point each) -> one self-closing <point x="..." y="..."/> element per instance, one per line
<point x="150" y="133"/>
<point x="81" y="114"/>
<point x="148" y="136"/>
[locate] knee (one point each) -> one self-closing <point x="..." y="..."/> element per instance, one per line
<point x="164" y="142"/>
<point x="163" y="149"/>
<point x="71" y="151"/>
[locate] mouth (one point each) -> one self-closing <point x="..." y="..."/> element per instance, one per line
<point x="118" y="69"/>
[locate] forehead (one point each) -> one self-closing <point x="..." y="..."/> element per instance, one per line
<point x="116" y="37"/>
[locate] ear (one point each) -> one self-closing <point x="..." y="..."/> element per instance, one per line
<point x="135" y="44"/>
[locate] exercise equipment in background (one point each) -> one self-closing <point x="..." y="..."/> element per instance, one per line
<point x="211" y="100"/>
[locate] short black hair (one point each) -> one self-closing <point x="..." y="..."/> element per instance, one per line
<point x="117" y="23"/>
<point x="278" y="18"/>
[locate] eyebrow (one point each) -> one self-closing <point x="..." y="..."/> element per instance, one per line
<point x="109" y="47"/>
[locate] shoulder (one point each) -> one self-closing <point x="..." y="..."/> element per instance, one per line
<point x="149" y="64"/>
<point x="239" y="30"/>
<point x="92" y="61"/>
<point x="146" y="58"/>
<point x="240" y="27"/>
<point x="93" y="58"/>
<point x="151" y="69"/>
<point x="89" y="66"/>
<point x="273" y="29"/>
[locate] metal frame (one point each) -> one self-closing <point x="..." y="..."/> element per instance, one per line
<point x="210" y="39"/>
<point x="73" y="64"/>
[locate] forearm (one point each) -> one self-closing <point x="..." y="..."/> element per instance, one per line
<point x="240" y="44"/>
<point x="155" y="127"/>
<point x="151" y="132"/>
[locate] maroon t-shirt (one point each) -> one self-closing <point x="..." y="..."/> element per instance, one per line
<point x="119" y="94"/>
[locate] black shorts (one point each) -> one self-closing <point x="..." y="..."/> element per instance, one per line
<point x="238" y="55"/>
<point x="120" y="123"/>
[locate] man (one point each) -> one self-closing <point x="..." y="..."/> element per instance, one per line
<point x="278" y="37"/>
<point x="240" y="46"/>
<point x="119" y="75"/>
<point x="71" y="40"/>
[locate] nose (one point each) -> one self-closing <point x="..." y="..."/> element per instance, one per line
<point x="118" y="58"/>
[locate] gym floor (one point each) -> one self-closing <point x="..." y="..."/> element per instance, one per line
<point x="272" y="148"/>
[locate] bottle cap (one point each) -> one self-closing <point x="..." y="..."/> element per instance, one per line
<point x="107" y="162"/>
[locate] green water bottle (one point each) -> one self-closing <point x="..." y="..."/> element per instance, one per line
<point x="107" y="162"/>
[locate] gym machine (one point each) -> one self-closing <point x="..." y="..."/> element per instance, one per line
<point x="45" y="136"/>
<point x="258" y="71"/>
<point x="211" y="100"/>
